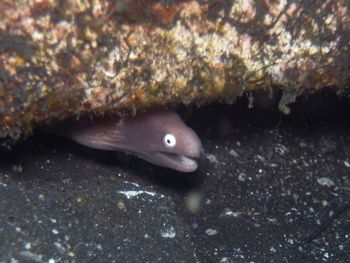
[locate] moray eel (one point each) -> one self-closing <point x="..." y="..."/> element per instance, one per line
<point x="158" y="136"/>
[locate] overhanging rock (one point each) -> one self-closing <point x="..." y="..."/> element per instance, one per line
<point x="59" y="58"/>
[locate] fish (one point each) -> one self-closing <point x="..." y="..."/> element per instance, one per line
<point x="158" y="136"/>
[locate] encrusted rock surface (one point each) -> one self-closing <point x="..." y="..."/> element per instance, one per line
<point x="59" y="58"/>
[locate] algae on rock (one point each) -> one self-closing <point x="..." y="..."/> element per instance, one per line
<point x="59" y="58"/>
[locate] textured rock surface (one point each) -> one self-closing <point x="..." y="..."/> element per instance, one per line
<point x="59" y="58"/>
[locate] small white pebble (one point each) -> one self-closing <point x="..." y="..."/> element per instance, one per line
<point x="99" y="247"/>
<point x="59" y="247"/>
<point x="27" y="246"/>
<point x="168" y="233"/>
<point x="225" y="260"/>
<point x="208" y="202"/>
<point x="325" y="181"/>
<point x="121" y="205"/>
<point x="211" y="232"/>
<point x="290" y="241"/>
<point x="54" y="231"/>
<point x="233" y="153"/>
<point x="242" y="177"/>
<point x="212" y="158"/>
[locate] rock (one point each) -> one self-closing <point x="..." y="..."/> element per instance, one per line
<point x="59" y="59"/>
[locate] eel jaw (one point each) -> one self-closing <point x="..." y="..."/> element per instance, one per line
<point x="179" y="162"/>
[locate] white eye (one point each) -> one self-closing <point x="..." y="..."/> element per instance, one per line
<point x="169" y="140"/>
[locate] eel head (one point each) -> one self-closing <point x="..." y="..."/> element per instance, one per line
<point x="158" y="136"/>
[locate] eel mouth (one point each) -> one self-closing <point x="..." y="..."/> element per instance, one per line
<point x="179" y="162"/>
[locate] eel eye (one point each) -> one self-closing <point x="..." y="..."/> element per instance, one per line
<point x="169" y="140"/>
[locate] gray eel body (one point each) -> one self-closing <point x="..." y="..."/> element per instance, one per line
<point x="158" y="136"/>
